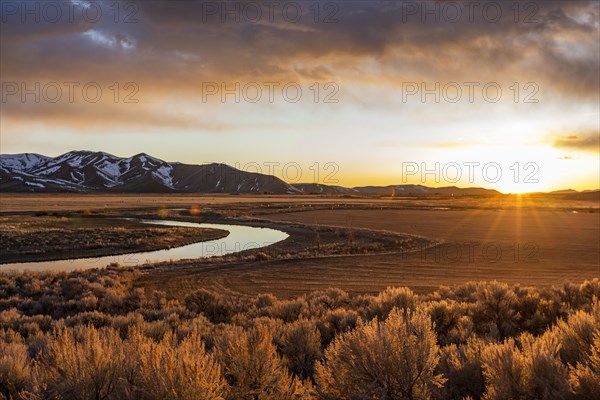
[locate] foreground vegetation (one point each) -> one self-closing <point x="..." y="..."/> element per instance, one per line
<point x="90" y="335"/>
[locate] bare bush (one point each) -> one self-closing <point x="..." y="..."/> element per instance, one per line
<point x="494" y="313"/>
<point x="391" y="359"/>
<point x="91" y="334"/>
<point x="585" y="377"/>
<point x="253" y="368"/>
<point x="576" y="335"/>
<point x="171" y="369"/>
<point x="81" y="364"/>
<point x="399" y="298"/>
<point x="301" y="347"/>
<point x="533" y="372"/>
<point x="461" y="365"/>
<point x="15" y="370"/>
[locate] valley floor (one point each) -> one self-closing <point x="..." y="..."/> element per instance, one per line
<point x="350" y="243"/>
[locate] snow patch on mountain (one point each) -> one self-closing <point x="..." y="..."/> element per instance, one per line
<point x="35" y="184"/>
<point x="110" y="169"/>
<point x="21" y="162"/>
<point x="48" y="171"/>
<point x="164" y="174"/>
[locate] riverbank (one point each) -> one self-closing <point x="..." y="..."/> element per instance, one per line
<point x="34" y="238"/>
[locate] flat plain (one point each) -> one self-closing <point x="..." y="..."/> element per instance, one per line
<point x="509" y="239"/>
<point x="35" y="202"/>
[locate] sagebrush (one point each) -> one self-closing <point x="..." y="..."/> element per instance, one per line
<point x="90" y="335"/>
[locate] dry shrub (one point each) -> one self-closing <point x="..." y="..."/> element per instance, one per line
<point x="171" y="369"/>
<point x="265" y="300"/>
<point x="461" y="365"/>
<point x="253" y="368"/>
<point x="494" y="313"/>
<point x="287" y="310"/>
<point x="335" y="322"/>
<point x="301" y="347"/>
<point x="90" y="334"/>
<point x="449" y="318"/>
<point x="400" y="298"/>
<point x="81" y="364"/>
<point x="322" y="301"/>
<point x="392" y="359"/>
<point x="213" y="306"/>
<point x="585" y="377"/>
<point x="534" y="372"/>
<point x="87" y="363"/>
<point x="576" y="334"/>
<point x="15" y="370"/>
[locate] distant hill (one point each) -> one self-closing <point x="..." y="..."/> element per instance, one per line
<point x="99" y="172"/>
<point x="586" y="195"/>
<point x="317" y="188"/>
<point x="394" y="190"/>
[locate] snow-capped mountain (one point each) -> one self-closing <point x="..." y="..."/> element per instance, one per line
<point x="99" y="172"/>
<point x="85" y="171"/>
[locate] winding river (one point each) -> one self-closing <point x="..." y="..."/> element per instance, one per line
<point x="240" y="238"/>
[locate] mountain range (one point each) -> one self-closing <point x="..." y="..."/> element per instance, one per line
<point x="86" y="171"/>
<point x="100" y="172"/>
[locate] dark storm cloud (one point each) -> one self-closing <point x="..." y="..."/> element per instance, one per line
<point x="28" y="20"/>
<point x="173" y="46"/>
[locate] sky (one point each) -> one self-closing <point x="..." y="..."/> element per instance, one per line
<point x="497" y="94"/>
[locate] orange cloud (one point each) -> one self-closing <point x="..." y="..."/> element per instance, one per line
<point x="586" y="141"/>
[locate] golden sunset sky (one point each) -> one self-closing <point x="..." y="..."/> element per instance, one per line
<point x="361" y="67"/>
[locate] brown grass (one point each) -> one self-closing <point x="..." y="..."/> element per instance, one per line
<point x="17" y="202"/>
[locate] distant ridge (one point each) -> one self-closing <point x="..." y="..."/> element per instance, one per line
<point x="394" y="190"/>
<point x="100" y="172"/>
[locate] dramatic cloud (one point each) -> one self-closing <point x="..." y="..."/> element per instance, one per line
<point x="589" y="141"/>
<point x="543" y="54"/>
<point x="177" y="43"/>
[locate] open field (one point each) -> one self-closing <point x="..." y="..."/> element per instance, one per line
<point x="15" y="202"/>
<point x="517" y="246"/>
<point x="514" y="246"/>
<point x="71" y="202"/>
<point x="531" y="243"/>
